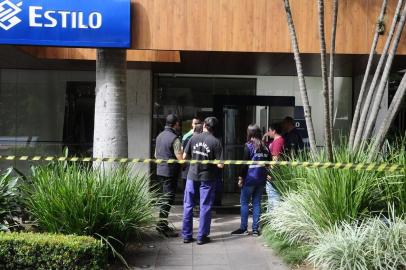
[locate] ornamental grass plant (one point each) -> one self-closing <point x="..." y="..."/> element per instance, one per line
<point x="322" y="205"/>
<point x="10" y="199"/>
<point x="375" y="243"/>
<point x="292" y="221"/>
<point x="116" y="206"/>
<point x="394" y="186"/>
<point x="329" y="196"/>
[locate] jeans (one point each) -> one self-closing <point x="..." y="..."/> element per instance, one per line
<point x="207" y="191"/>
<point x="168" y="188"/>
<point x="273" y="196"/>
<point x="248" y="193"/>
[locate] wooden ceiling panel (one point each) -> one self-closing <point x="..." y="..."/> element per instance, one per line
<point x="252" y="25"/>
<point x="90" y="54"/>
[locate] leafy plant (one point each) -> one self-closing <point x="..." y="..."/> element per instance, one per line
<point x="291" y="220"/>
<point x="10" y="199"/>
<point x="329" y="195"/>
<point x="394" y="186"/>
<point x="51" y="251"/>
<point x="117" y="206"/>
<point x="288" y="179"/>
<point x="291" y="253"/>
<point x="321" y="202"/>
<point x="376" y="243"/>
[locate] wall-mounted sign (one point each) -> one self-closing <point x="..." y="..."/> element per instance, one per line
<point x="72" y="23"/>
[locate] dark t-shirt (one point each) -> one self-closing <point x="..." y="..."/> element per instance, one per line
<point x="293" y="141"/>
<point x="185" y="167"/>
<point x="204" y="146"/>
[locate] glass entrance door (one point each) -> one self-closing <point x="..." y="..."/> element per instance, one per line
<point x="236" y="119"/>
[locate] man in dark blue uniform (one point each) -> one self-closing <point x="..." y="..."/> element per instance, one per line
<point x="168" y="146"/>
<point x="202" y="146"/>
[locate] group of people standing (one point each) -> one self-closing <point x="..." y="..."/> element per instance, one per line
<point x="201" y="179"/>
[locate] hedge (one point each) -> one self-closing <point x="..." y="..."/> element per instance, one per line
<point x="51" y="251"/>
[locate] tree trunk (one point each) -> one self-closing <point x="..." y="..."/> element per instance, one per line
<point x="327" y="126"/>
<point x="301" y="79"/>
<point x="390" y="116"/>
<point x="361" y="96"/>
<point x="382" y="86"/>
<point x="371" y="92"/>
<point x="110" y="125"/>
<point x="332" y="63"/>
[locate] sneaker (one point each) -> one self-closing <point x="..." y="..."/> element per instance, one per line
<point x="188" y="241"/>
<point x="204" y="240"/>
<point x="255" y="233"/>
<point x="239" y="232"/>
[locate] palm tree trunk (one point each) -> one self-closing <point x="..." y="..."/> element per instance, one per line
<point x="301" y="79"/>
<point x="371" y="92"/>
<point x="390" y="116"/>
<point x="382" y="86"/>
<point x="361" y="97"/>
<point x="323" y="55"/>
<point x="332" y="64"/>
<point x="110" y="125"/>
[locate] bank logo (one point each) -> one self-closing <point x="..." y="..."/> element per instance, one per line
<point x="8" y="12"/>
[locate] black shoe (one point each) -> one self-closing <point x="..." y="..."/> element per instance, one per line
<point x="188" y="241"/>
<point x="204" y="240"/>
<point x="239" y="232"/>
<point x="167" y="231"/>
<point x="256" y="233"/>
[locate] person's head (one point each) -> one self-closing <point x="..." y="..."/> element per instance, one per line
<point x="195" y="121"/>
<point x="173" y="121"/>
<point x="254" y="132"/>
<point x="198" y="128"/>
<point x="210" y="124"/>
<point x="288" y="124"/>
<point x="275" y="130"/>
<point x="254" y="135"/>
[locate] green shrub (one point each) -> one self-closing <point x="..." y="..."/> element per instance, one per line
<point x="10" y="199"/>
<point x="291" y="253"/>
<point x="394" y="186"/>
<point x="116" y="207"/>
<point x="329" y="196"/>
<point x="292" y="221"/>
<point x="374" y="244"/>
<point x="288" y="179"/>
<point x="50" y="251"/>
<point x="333" y="196"/>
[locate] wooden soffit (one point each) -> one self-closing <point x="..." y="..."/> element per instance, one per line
<point x="254" y="25"/>
<point x="90" y="54"/>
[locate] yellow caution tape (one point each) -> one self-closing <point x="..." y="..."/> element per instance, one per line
<point x="324" y="165"/>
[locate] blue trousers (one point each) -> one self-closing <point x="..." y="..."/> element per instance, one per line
<point x="206" y="191"/>
<point x="273" y="196"/>
<point x="248" y="193"/>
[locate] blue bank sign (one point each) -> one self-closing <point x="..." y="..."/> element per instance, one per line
<point x="74" y="23"/>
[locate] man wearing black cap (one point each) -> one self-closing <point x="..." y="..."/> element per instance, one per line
<point x="168" y="146"/>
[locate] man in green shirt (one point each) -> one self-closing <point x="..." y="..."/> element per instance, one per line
<point x="188" y="135"/>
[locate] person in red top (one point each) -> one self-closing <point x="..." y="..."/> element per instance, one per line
<point x="276" y="149"/>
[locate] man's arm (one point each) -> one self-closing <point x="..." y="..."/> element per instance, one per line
<point x="177" y="149"/>
<point x="219" y="154"/>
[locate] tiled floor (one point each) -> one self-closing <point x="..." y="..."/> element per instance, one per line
<point x="225" y="252"/>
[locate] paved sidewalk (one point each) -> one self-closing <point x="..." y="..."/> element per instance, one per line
<point x="225" y="252"/>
